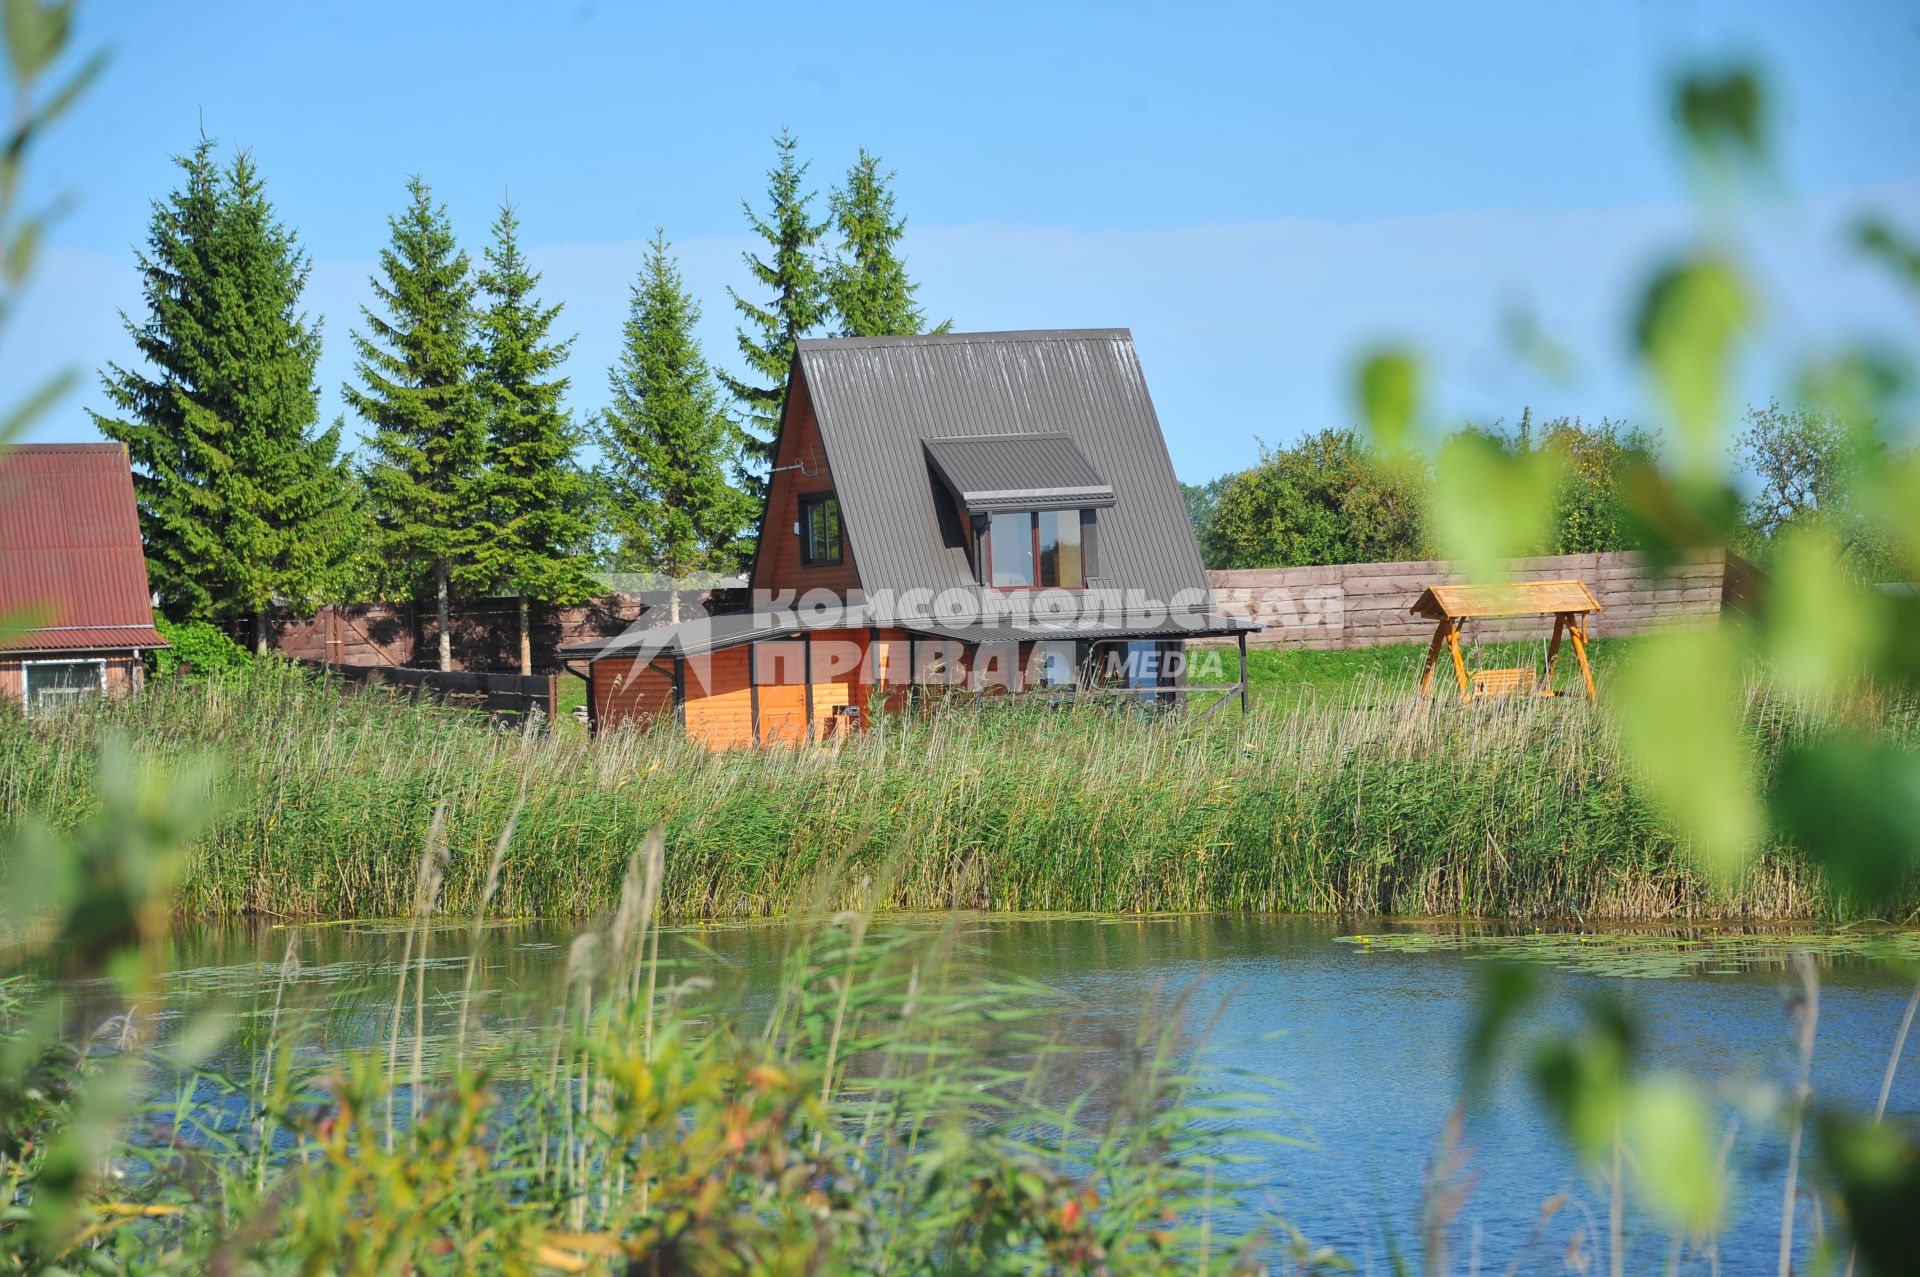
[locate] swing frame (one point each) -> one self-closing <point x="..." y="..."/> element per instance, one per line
<point x="1450" y="607"/>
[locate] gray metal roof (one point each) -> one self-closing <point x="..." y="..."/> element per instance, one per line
<point x="1018" y="472"/>
<point x="712" y="634"/>
<point x="880" y="400"/>
<point x="1188" y="625"/>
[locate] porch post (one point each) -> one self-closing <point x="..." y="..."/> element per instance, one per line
<point x="753" y="687"/>
<point x="806" y="657"/>
<point x="680" y="690"/>
<point x="1243" y="672"/>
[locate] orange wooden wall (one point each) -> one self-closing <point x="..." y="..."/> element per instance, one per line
<point x="720" y="698"/>
<point x="625" y="690"/>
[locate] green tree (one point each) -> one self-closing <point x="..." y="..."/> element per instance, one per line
<point x="426" y="476"/>
<point x="535" y="526"/>
<point x="1327" y="499"/>
<point x="1805" y="462"/>
<point x="666" y="441"/>
<point x="792" y="273"/>
<point x="1595" y="465"/>
<point x="1203" y="501"/>
<point x="867" y="283"/>
<point x="242" y="503"/>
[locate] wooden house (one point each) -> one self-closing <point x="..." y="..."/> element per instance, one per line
<point x="976" y="511"/>
<point x="75" y="612"/>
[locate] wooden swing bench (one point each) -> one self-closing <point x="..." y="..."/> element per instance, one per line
<point x="1450" y="607"/>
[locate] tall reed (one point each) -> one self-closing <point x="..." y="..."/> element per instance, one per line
<point x="1375" y="805"/>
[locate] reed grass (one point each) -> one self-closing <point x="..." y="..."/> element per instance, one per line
<point x="1375" y="805"/>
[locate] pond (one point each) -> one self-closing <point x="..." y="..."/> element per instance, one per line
<point x="1366" y="1036"/>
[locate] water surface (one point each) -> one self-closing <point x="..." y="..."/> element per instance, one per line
<point x="1366" y="1037"/>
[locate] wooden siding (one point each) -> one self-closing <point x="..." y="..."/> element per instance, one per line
<point x="777" y="565"/>
<point x="721" y="693"/>
<point x="626" y="690"/>
<point x="123" y="672"/>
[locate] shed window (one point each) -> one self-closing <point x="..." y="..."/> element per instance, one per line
<point x="53" y="685"/>
<point x="819" y="529"/>
<point x="1029" y="549"/>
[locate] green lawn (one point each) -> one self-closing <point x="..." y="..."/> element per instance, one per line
<point x="1289" y="676"/>
<point x="1293" y="675"/>
<point x="571" y="693"/>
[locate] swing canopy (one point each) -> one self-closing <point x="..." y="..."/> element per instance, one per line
<point x="1519" y="598"/>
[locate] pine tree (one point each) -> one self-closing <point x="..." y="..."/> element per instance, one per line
<point x="666" y="441"/>
<point x="426" y="476"/>
<point x="241" y="504"/>
<point x="536" y="523"/>
<point x="867" y="285"/>
<point x="792" y="273"/>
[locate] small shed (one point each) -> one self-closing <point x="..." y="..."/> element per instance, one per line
<point x="73" y="575"/>
<point x="1450" y="607"/>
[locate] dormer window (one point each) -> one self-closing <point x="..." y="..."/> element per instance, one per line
<point x="819" y="530"/>
<point x="1031" y="500"/>
<point x="1034" y="549"/>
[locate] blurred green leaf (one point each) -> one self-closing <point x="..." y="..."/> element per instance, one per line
<point x="36" y="32"/>
<point x="1667" y="1126"/>
<point x="1389" y="385"/>
<point x="1723" y="115"/>
<point x="16" y="420"/>
<point x="1885" y="242"/>
<point x="1681" y="712"/>
<point x="1505" y="990"/>
<point x="1876" y="1169"/>
<point x="1666" y="518"/>
<point x="1855" y="806"/>
<point x="1535" y="345"/>
<point x="1582" y="1078"/>
<point x="1822" y="627"/>
<point x="1492" y="501"/>
<point x="1690" y="319"/>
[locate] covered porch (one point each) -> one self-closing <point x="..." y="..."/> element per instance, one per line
<point x="769" y="678"/>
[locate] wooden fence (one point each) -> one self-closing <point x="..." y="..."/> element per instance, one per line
<point x="507" y="698"/>
<point x="485" y="634"/>
<point x="1366" y="604"/>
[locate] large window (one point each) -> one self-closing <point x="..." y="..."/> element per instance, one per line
<point x="53" y="685"/>
<point x="1035" y="549"/>
<point x="820" y="540"/>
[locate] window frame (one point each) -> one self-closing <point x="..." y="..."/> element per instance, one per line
<point x="1033" y="534"/>
<point x="808" y="503"/>
<point x="26" y="680"/>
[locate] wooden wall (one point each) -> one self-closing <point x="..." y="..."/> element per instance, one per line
<point x="720" y="696"/>
<point x="777" y="565"/>
<point x="123" y="673"/>
<point x="1365" y="604"/>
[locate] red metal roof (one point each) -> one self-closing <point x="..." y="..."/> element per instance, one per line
<point x="70" y="554"/>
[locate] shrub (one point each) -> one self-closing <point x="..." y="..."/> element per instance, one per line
<point x="198" y="647"/>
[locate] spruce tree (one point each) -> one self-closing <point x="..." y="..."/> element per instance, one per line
<point x="536" y="523"/>
<point x="792" y="273"/>
<point x="425" y="479"/>
<point x="241" y="503"/>
<point x="867" y="285"/>
<point x="666" y="442"/>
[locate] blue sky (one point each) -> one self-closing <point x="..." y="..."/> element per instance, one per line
<point x="1259" y="192"/>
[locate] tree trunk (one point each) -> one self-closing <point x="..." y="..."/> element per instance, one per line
<point x="446" y="633"/>
<point x="260" y="632"/>
<point x="526" y="640"/>
<point x="673" y="600"/>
